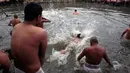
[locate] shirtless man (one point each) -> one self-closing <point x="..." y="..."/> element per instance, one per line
<point x="4" y="62"/>
<point x="29" y="42"/>
<point x="127" y="32"/>
<point x="75" y="12"/>
<point x="14" y="21"/>
<point x="94" y="55"/>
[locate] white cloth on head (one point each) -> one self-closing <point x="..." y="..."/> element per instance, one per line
<point x="92" y="68"/>
<point x="20" y="71"/>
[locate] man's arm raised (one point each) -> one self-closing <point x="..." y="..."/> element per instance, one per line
<point x="45" y="20"/>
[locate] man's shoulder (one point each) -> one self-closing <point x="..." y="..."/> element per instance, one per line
<point x="41" y="31"/>
<point x="87" y="48"/>
<point x="101" y="47"/>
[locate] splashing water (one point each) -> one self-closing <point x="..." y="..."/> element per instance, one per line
<point x="56" y="55"/>
<point x="72" y="46"/>
<point x="104" y="23"/>
<point x="116" y="65"/>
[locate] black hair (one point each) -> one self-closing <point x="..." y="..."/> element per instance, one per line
<point x="31" y="11"/>
<point x="78" y="35"/>
<point x="15" y="16"/>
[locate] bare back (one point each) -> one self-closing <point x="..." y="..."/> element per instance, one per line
<point x="25" y="44"/>
<point x="94" y="54"/>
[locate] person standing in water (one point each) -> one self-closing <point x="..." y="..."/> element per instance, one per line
<point x="75" y="12"/>
<point x="94" y="55"/>
<point x="127" y="32"/>
<point x="14" y="21"/>
<point x="29" y="42"/>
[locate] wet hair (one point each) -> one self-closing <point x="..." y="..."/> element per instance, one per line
<point x="75" y="10"/>
<point x="78" y="35"/>
<point x="15" y="16"/>
<point x="94" y="39"/>
<point x="32" y="10"/>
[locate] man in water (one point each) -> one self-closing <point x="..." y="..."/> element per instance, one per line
<point x="75" y="12"/>
<point x="94" y="55"/>
<point x="14" y="21"/>
<point x="4" y="62"/>
<point x="75" y="40"/>
<point x="127" y="32"/>
<point x="126" y="39"/>
<point x="29" y="42"/>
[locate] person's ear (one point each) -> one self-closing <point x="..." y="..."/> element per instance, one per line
<point x="38" y="18"/>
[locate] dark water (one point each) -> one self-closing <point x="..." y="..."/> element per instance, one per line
<point x="105" y="22"/>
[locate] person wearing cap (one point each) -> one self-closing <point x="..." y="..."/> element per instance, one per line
<point x="29" y="42"/>
<point x="94" y="55"/>
<point x="127" y="32"/>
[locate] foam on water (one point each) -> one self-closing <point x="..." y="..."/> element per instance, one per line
<point x="72" y="46"/>
<point x="56" y="55"/>
<point x="116" y="65"/>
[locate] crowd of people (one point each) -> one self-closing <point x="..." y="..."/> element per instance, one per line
<point x="29" y="43"/>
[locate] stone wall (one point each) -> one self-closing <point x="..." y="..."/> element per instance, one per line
<point x="26" y="1"/>
<point x="48" y="1"/>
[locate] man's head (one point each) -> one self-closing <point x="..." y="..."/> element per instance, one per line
<point x="93" y="40"/>
<point x="33" y="12"/>
<point x="75" y="10"/>
<point x="15" y="16"/>
<point x="79" y="35"/>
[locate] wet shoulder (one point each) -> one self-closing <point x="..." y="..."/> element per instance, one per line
<point x="87" y="49"/>
<point x="40" y="31"/>
<point x="96" y="47"/>
<point x="101" y="48"/>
